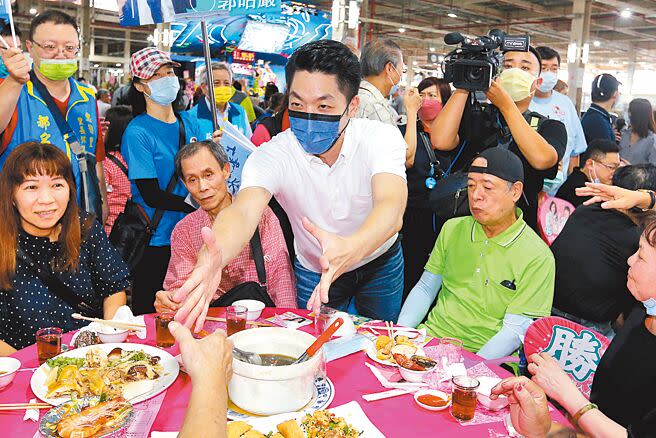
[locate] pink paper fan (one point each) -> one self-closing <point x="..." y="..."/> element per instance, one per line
<point x="577" y="349"/>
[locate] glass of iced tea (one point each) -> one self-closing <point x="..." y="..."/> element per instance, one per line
<point x="48" y="343"/>
<point x="236" y="319"/>
<point x="163" y="336"/>
<point x="463" y="396"/>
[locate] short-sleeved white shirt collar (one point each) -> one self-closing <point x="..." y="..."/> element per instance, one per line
<point x="336" y="198"/>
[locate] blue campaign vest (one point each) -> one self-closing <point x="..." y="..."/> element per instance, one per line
<point x="36" y="122"/>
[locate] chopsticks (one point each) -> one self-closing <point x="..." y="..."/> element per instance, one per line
<point x="378" y="327"/>
<point x="390" y="330"/>
<point x="22" y="406"/>
<point x="260" y="324"/>
<point x="110" y="323"/>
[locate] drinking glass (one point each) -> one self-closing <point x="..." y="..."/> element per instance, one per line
<point x="163" y="336"/>
<point x="48" y="343"/>
<point x="323" y="318"/>
<point x="236" y="319"/>
<point x="463" y="396"/>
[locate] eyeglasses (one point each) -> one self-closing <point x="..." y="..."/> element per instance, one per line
<point x="611" y="167"/>
<point x="52" y="49"/>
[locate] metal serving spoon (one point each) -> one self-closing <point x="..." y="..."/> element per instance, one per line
<point x="246" y="356"/>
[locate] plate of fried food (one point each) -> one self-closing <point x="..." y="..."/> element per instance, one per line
<point x="133" y="371"/>
<point x="346" y="421"/>
<point x="87" y="417"/>
<point x="383" y="349"/>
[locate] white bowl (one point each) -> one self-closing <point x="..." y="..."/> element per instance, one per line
<point x="254" y="307"/>
<point x="112" y="335"/>
<point x="440" y="394"/>
<point x="10" y="365"/>
<point x="414" y="376"/>
<point x="484" y="390"/>
<point x="269" y="390"/>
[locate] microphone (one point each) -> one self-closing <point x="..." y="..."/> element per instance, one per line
<point x="453" y="38"/>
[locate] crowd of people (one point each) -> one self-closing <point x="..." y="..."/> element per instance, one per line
<point x="338" y="205"/>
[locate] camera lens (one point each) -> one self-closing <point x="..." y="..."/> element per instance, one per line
<point x="475" y="74"/>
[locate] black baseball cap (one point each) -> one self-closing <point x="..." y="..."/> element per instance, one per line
<point x="604" y="86"/>
<point x="501" y="163"/>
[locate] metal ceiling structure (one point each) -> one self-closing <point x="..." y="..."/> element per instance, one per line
<point x="617" y="29"/>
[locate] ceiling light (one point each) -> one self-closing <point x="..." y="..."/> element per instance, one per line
<point x="451" y="15"/>
<point x="33" y="11"/>
<point x="440" y="58"/>
<point x="596" y="43"/>
<point x="414" y="62"/>
<point x="626" y="13"/>
<point x="118" y="64"/>
<point x="432" y="49"/>
<point x="401" y="29"/>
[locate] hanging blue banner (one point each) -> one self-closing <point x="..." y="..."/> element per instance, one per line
<point x="5" y="10"/>
<point x="142" y="12"/>
<point x="278" y="34"/>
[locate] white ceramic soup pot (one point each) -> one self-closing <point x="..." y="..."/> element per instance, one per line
<point x="270" y="390"/>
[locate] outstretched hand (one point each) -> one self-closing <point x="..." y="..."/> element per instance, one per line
<point x="529" y="412"/>
<point x="207" y="358"/>
<point x="613" y="196"/>
<point x="199" y="290"/>
<point x="338" y="254"/>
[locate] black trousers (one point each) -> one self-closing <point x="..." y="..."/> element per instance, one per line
<point x="419" y="238"/>
<point x="148" y="278"/>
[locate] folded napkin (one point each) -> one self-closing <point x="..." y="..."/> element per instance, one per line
<point x="389" y="385"/>
<point x="342" y="347"/>
<point x="31" y="414"/>
<point x="123" y="314"/>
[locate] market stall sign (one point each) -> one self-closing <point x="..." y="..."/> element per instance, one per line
<point x="243" y="56"/>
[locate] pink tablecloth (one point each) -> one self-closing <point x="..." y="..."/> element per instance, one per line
<point x="394" y="417"/>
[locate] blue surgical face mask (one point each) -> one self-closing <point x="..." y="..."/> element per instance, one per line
<point x="316" y="133"/>
<point x="397" y="86"/>
<point x="164" y="90"/>
<point x="549" y="80"/>
<point x="650" y="305"/>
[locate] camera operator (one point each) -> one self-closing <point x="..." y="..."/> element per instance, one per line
<point x="539" y="142"/>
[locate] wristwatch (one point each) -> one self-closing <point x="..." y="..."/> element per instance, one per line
<point x="652" y="198"/>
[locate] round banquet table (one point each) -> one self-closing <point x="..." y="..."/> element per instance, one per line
<point x="394" y="417"/>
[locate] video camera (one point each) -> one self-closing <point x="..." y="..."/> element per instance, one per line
<point x="474" y="65"/>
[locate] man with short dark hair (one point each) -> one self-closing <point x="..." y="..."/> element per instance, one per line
<point x="490" y="272"/>
<point x="591" y="253"/>
<point x="597" y="122"/>
<point x="555" y="106"/>
<point x="539" y="142"/>
<point x="341" y="181"/>
<point x="600" y="161"/>
<point x="54" y="43"/>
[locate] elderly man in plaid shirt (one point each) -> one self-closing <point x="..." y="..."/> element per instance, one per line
<point x="204" y="169"/>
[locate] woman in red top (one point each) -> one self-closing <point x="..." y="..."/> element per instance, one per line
<point x="116" y="169"/>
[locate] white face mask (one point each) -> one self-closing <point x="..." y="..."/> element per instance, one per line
<point x="549" y="80"/>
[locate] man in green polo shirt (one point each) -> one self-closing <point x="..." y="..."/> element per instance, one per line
<point x="493" y="273"/>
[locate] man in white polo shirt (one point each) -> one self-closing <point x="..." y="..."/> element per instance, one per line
<point x="341" y="181"/>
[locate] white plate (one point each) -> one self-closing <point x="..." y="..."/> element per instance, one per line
<point x="372" y="354"/>
<point x="351" y="412"/>
<point x="322" y="398"/>
<point x="145" y="388"/>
